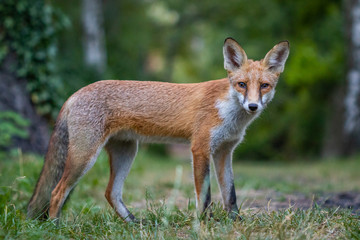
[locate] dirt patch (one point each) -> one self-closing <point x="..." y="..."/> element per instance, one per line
<point x="272" y="200"/>
<point x="268" y="200"/>
<point x="350" y="200"/>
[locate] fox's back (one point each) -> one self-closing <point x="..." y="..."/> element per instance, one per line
<point x="166" y="109"/>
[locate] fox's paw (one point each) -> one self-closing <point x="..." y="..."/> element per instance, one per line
<point x="235" y="216"/>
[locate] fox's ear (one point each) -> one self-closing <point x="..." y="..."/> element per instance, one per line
<point x="275" y="59"/>
<point x="234" y="55"/>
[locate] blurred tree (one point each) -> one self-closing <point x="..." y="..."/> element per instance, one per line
<point x="352" y="98"/>
<point x="93" y="39"/>
<point x="27" y="82"/>
<point x="343" y="133"/>
<point x="14" y="97"/>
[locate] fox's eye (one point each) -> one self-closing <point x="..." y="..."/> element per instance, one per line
<point x="242" y="84"/>
<point x="264" y="85"/>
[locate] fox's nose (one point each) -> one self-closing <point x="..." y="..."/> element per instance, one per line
<point x="253" y="106"/>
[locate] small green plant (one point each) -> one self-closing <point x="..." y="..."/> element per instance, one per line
<point x="11" y="125"/>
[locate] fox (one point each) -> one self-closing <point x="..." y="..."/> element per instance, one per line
<point x="117" y="115"/>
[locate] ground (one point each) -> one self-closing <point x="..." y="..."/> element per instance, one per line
<point x="311" y="199"/>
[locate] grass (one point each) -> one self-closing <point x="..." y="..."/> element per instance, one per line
<point x="160" y="190"/>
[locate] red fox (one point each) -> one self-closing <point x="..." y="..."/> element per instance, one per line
<point x="212" y="116"/>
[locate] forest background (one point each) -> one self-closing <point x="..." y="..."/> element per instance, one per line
<point x="50" y="49"/>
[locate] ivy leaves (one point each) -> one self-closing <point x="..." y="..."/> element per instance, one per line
<point x="28" y="28"/>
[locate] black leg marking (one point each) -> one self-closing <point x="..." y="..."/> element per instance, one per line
<point x="206" y="183"/>
<point x="130" y="215"/>
<point x="232" y="208"/>
<point x="207" y="199"/>
<point x="206" y="193"/>
<point x="232" y="200"/>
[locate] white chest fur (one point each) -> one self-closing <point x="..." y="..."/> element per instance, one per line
<point x="234" y="121"/>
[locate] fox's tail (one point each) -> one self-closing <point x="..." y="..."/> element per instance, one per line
<point x="52" y="170"/>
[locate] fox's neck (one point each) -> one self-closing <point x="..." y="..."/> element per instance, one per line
<point x="234" y="118"/>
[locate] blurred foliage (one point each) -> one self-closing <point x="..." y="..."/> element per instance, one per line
<point x="181" y="41"/>
<point x="28" y="28"/>
<point x="295" y="122"/>
<point x="11" y="125"/>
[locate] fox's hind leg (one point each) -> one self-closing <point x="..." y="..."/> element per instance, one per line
<point x="121" y="157"/>
<point x="80" y="159"/>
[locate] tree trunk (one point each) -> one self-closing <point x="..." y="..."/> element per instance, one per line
<point x="334" y="138"/>
<point x="342" y="135"/>
<point x="352" y="98"/>
<point x="15" y="97"/>
<point x="94" y="37"/>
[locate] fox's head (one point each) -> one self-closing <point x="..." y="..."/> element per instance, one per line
<point x="253" y="82"/>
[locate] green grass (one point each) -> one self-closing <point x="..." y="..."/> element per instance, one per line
<point x="160" y="191"/>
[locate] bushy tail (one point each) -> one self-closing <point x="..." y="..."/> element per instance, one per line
<point x="52" y="170"/>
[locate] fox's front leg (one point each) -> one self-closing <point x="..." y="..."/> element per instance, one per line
<point x="201" y="168"/>
<point x="223" y="167"/>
